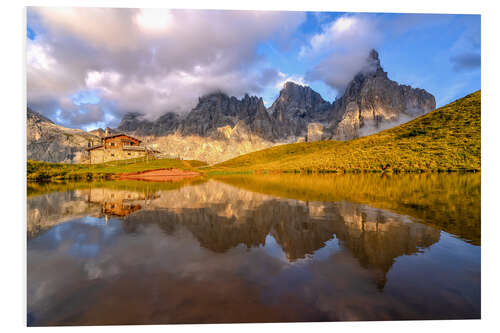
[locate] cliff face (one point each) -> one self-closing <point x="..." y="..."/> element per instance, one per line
<point x="372" y="102"/>
<point x="221" y="127"/>
<point x="296" y="107"/>
<point x="49" y="142"/>
<point x="215" y="112"/>
<point x="134" y="124"/>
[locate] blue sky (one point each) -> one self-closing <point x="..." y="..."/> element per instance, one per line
<point x="87" y="67"/>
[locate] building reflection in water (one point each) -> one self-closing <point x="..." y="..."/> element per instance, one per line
<point x="118" y="203"/>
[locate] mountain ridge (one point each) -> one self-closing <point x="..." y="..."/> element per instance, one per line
<point x="371" y="102"/>
<point x="446" y="139"/>
<point x="221" y="127"/>
<point x="47" y="141"/>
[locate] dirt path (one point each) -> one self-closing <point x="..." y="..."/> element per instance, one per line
<point x="161" y="175"/>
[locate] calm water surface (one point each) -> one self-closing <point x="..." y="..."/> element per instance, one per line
<point x="254" y="249"/>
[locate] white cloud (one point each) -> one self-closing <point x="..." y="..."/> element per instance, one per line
<point x="283" y="78"/>
<point x="149" y="61"/>
<point x="104" y="81"/>
<point x="154" y="20"/>
<point x="343" y="47"/>
<point x="38" y="57"/>
<point x="102" y="27"/>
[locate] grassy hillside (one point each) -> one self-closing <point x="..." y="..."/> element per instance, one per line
<point x="37" y="170"/>
<point x="446" y="139"/>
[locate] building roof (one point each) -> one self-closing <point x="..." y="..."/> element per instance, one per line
<point x="129" y="148"/>
<point x="120" y="134"/>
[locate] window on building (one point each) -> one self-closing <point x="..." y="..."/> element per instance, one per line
<point x="112" y="144"/>
<point x="112" y="155"/>
<point x="128" y="153"/>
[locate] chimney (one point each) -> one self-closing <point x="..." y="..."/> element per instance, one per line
<point x="107" y="131"/>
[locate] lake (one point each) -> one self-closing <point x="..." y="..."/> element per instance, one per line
<point x="254" y="248"/>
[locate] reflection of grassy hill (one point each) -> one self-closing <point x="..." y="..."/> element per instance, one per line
<point x="37" y="170"/>
<point x="451" y="202"/>
<point x="448" y="138"/>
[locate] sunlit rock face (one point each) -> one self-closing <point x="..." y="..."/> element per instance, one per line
<point x="314" y="132"/>
<point x="218" y="110"/>
<point x="296" y="107"/>
<point x="372" y="102"/>
<point x="49" y="142"/>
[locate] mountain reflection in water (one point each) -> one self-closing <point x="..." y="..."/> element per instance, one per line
<point x="231" y="250"/>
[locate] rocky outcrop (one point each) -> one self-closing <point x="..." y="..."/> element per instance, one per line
<point x="102" y="132"/>
<point x="216" y="111"/>
<point x="134" y="124"/>
<point x="372" y="102"/>
<point x="314" y="132"/>
<point x="221" y="127"/>
<point x="296" y="107"/>
<point x="49" y="142"/>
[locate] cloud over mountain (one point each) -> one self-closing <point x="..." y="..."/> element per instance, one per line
<point x="343" y="45"/>
<point x="145" y="60"/>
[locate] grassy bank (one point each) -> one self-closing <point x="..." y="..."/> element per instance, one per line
<point x="43" y="171"/>
<point x="446" y="139"/>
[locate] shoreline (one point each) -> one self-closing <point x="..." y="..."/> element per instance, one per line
<point x="158" y="175"/>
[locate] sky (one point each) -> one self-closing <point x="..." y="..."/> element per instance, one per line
<point x="87" y="67"/>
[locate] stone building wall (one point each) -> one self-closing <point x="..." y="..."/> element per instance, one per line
<point x="101" y="155"/>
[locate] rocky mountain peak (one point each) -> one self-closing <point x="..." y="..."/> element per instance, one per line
<point x="374" y="67"/>
<point x="372" y="102"/>
<point x="297" y="106"/>
<point x="294" y="97"/>
<point x="130" y="121"/>
<point x="217" y="110"/>
<point x="222" y="126"/>
<point x="134" y="123"/>
<point x="373" y="55"/>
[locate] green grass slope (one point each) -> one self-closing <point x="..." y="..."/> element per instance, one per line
<point x="446" y="139"/>
<point x="37" y="170"/>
